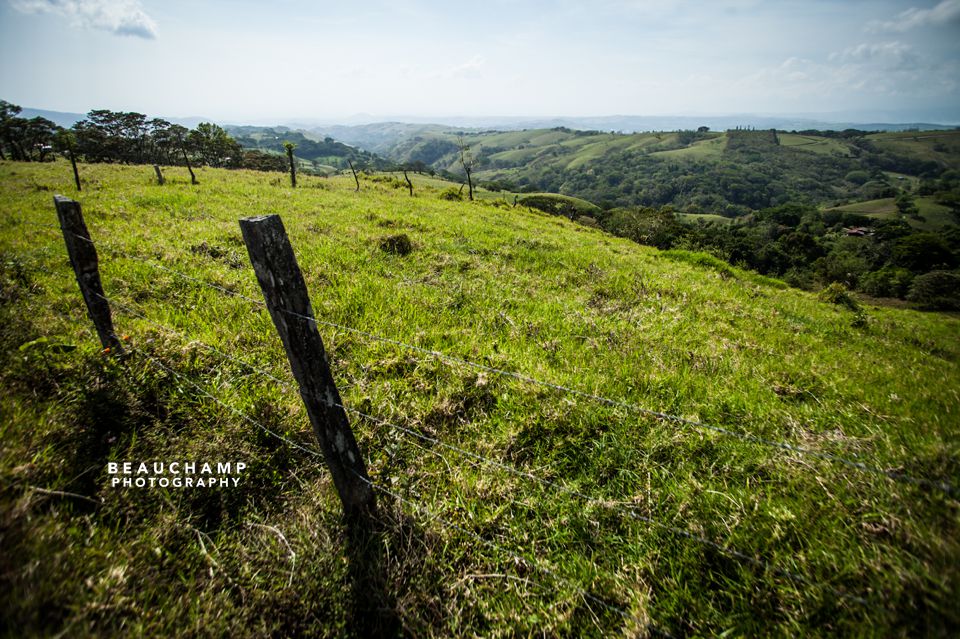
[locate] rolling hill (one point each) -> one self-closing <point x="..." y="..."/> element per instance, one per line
<point x="728" y="173"/>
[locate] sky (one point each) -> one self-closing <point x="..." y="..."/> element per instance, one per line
<point x="252" y="61"/>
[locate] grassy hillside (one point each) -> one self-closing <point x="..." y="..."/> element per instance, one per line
<point x="933" y="216"/>
<point x="936" y="146"/>
<point x="521" y="509"/>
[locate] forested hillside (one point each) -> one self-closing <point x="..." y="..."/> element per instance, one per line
<point x="323" y="154"/>
<point x="730" y="173"/>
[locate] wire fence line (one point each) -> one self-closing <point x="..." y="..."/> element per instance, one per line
<point x="239" y="413"/>
<point x="411" y="434"/>
<point x="538" y="564"/>
<point x="894" y="475"/>
<point x="480" y="459"/>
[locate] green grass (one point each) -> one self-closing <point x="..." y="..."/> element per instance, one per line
<point x="700" y="150"/>
<point x="706" y="217"/>
<point x="939" y="146"/>
<point x="884" y="208"/>
<point x="935" y="216"/>
<point x="815" y="144"/>
<point x="508" y="287"/>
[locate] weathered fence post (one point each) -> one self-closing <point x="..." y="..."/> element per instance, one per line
<point x="186" y="160"/>
<point x="160" y="179"/>
<point x="290" y="146"/>
<point x="76" y="173"/>
<point x="286" y="296"/>
<point x="350" y="162"/>
<point x="83" y="258"/>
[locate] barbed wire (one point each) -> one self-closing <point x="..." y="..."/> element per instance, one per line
<point x="193" y="340"/>
<point x="412" y="433"/>
<point x="236" y="411"/>
<point x="631" y="511"/>
<point x="480" y="459"/>
<point x="894" y="475"/>
<point x="538" y="564"/>
<point x="517" y="558"/>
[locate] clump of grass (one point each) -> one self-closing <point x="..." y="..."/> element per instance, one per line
<point x="451" y="194"/>
<point x="399" y="244"/>
<point x="837" y="293"/>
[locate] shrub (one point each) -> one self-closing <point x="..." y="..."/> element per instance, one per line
<point x="936" y="290"/>
<point x="923" y="252"/>
<point x="556" y="204"/>
<point x="705" y="260"/>
<point x="857" y="177"/>
<point x="890" y="281"/>
<point x="452" y="195"/>
<point x="837" y="293"/>
<point x="799" y="278"/>
<point x="586" y="220"/>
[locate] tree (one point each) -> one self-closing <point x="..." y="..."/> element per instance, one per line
<point x="162" y="142"/>
<point x="25" y="140"/>
<point x="906" y="206"/>
<point x="8" y="118"/>
<point x="37" y="135"/>
<point x="113" y="136"/>
<point x="179" y="134"/>
<point x="213" y="145"/>
<point x="66" y="142"/>
<point x="467" y="161"/>
<point x="922" y="252"/>
<point x="936" y="290"/>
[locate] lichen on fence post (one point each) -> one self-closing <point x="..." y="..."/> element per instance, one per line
<point x="285" y="292"/>
<point x="83" y="258"/>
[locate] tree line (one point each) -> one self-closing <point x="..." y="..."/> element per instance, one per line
<point x="125" y="137"/>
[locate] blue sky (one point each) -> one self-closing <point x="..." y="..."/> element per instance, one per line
<point x="258" y="61"/>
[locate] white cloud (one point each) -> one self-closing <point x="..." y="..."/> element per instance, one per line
<point x="470" y="70"/>
<point x="120" y="17"/>
<point x="888" y="55"/>
<point x="945" y="12"/>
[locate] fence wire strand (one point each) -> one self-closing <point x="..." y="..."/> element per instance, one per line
<point x="519" y="559"/>
<point x="546" y="483"/>
<point x="451" y="359"/>
<point x="239" y="413"/>
<point x="894" y="475"/>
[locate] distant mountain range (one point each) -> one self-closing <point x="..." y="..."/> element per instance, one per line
<point x="646" y="123"/>
<point x="619" y="123"/>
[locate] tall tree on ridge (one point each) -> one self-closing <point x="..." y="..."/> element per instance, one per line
<point x="467" y="161"/>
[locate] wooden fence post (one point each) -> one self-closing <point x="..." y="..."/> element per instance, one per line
<point x="76" y="173"/>
<point x="160" y="179"/>
<point x="350" y="162"/>
<point x="286" y="296"/>
<point x="83" y="258"/>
